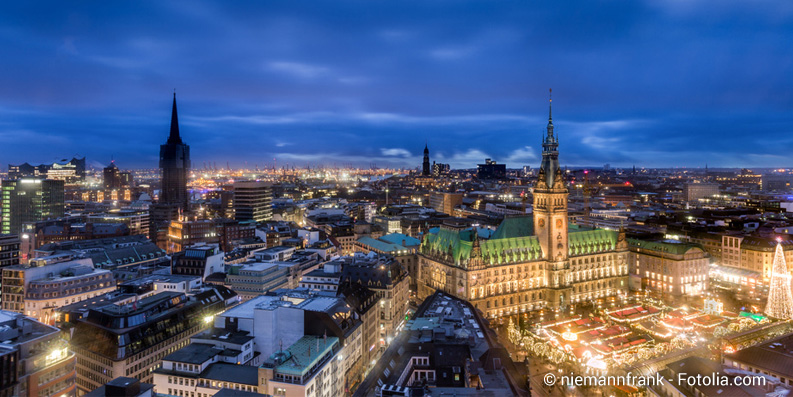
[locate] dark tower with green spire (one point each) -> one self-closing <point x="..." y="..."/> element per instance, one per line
<point x="175" y="166"/>
<point x="425" y="169"/>
<point x="549" y="167"/>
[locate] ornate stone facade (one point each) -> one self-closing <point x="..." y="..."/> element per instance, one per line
<point x="527" y="263"/>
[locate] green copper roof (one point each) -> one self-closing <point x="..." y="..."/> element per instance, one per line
<point x="663" y="247"/>
<point x="512" y="242"/>
<point x="399" y="239"/>
<point x="509" y="250"/>
<point x="454" y="242"/>
<point x="585" y="242"/>
<point x="459" y="245"/>
<point x="519" y="226"/>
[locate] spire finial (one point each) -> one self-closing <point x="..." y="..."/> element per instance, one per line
<point x="174" y="136"/>
<point x="550" y="103"/>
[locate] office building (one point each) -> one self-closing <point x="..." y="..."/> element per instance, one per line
<point x="9" y="250"/>
<point x="206" y="366"/>
<point x="29" y="200"/>
<point x="366" y="304"/>
<point x="111" y="177"/>
<point x="326" y="278"/>
<point x="307" y="368"/>
<point x="34" y="360"/>
<point x="491" y="170"/>
<point x="184" y="232"/>
<point x="693" y="192"/>
<point x="253" y="201"/>
<point x="310" y="343"/>
<point x="74" y="229"/>
<point x="137" y="221"/>
<point x="440" y="169"/>
<point x="115" y="253"/>
<point x="401" y="247"/>
<point x="37" y="289"/>
<point x="668" y="268"/>
<point x="444" y="202"/>
<point x="199" y="260"/>
<point x="227" y="233"/>
<point x="131" y="340"/>
<point x="251" y="279"/>
<point x="389" y="280"/>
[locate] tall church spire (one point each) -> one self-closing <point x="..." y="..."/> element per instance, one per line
<point x="425" y="166"/>
<point x="550" y="153"/>
<point x="550" y="116"/>
<point x="174" y="136"/>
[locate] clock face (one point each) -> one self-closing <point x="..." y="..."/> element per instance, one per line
<point x="542" y="222"/>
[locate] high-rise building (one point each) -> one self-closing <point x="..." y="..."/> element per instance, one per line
<point x="253" y="201"/>
<point x="29" y="200"/>
<point x="112" y="177"/>
<point x="9" y="250"/>
<point x="175" y="165"/>
<point x="425" y="167"/>
<point x="126" y="178"/>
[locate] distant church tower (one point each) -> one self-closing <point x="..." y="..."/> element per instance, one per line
<point x="425" y="169"/>
<point x="550" y="218"/>
<point x="175" y="165"/>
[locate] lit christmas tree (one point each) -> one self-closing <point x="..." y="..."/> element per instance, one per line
<point x="780" y="299"/>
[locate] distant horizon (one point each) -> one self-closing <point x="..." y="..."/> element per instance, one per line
<point x="98" y="166"/>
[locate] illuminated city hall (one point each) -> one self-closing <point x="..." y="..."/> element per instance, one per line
<point x="529" y="262"/>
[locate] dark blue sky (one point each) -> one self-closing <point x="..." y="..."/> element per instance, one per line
<point x="657" y="83"/>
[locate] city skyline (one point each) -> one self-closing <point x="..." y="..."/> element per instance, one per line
<point x="651" y="84"/>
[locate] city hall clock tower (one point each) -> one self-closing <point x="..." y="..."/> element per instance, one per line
<point x="550" y="220"/>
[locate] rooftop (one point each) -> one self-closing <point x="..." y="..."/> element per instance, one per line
<point x="306" y="353"/>
<point x="243" y="374"/>
<point x="775" y="355"/>
<point x="194" y="353"/>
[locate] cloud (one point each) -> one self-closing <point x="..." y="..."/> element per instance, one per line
<point x="522" y="155"/>
<point x="299" y="70"/>
<point x="465" y="159"/>
<point x="338" y="79"/>
<point x="395" y="152"/>
<point x="451" y="53"/>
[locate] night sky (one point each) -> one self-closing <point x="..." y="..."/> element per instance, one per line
<point x="655" y="84"/>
